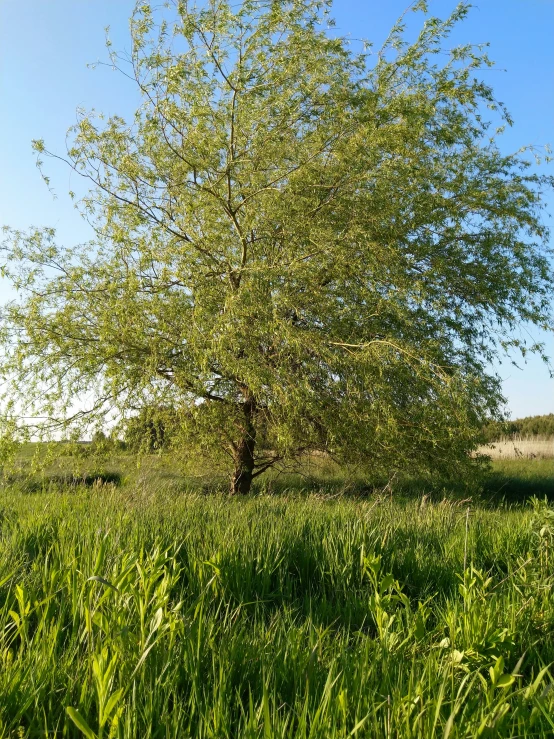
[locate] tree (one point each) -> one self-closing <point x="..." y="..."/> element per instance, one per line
<point x="299" y="247"/>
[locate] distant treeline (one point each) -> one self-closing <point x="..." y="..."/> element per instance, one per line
<point x="531" y="426"/>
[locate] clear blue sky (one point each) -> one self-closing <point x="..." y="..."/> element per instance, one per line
<point x="45" y="48"/>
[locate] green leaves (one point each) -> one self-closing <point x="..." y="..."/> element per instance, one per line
<point x="498" y="678"/>
<point x="80" y="722"/>
<point x="38" y="146"/>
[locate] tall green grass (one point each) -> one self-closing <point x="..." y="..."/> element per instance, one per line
<point x="132" y="615"/>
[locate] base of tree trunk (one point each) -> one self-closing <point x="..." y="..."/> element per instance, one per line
<point x="241" y="482"/>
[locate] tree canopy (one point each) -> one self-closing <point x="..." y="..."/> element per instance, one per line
<point x="298" y="246"/>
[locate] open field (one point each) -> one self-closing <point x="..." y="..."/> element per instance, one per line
<point x="130" y="612"/>
<point x="531" y="448"/>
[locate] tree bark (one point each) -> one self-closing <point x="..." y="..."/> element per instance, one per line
<point x="243" y="473"/>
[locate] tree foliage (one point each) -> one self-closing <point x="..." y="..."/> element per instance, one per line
<point x="298" y="246"/>
<point x="151" y="430"/>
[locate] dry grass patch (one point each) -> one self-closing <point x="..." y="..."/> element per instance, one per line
<point x="520" y="449"/>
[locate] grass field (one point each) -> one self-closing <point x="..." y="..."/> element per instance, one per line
<point x="143" y="612"/>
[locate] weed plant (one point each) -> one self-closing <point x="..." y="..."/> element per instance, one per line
<point x="125" y="614"/>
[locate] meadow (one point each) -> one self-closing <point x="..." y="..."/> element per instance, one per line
<point x="142" y="610"/>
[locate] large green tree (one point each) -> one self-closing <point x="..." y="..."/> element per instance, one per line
<point x="298" y="246"/>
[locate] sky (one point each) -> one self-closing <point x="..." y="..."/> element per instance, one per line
<point x="45" y="48"/>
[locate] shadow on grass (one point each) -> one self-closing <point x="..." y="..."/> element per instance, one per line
<point x="509" y="482"/>
<point x="502" y="487"/>
<point x="61" y="482"/>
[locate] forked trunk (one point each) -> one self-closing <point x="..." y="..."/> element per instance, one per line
<point x="243" y="473"/>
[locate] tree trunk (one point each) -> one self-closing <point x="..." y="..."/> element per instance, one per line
<point x="244" y="451"/>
